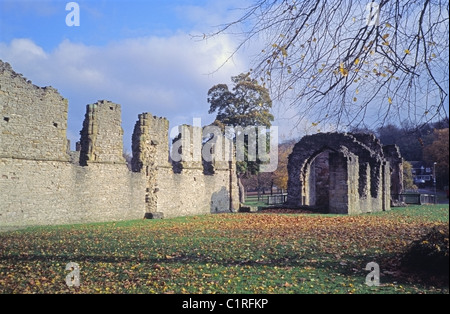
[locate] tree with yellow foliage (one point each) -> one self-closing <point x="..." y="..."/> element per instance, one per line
<point x="438" y="151"/>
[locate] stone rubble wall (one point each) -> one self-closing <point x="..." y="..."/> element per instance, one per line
<point x="184" y="187"/>
<point x="33" y="120"/>
<point x="43" y="183"/>
<point x="52" y="192"/>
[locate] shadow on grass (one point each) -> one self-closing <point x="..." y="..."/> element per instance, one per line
<point x="352" y="266"/>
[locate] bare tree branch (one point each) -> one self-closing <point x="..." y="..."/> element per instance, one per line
<point x="325" y="60"/>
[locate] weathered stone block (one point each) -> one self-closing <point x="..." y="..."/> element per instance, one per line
<point x="248" y="209"/>
<point x="157" y="215"/>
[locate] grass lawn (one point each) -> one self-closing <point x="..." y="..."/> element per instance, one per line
<point x="223" y="253"/>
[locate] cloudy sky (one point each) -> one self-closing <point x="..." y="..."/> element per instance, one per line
<point x="139" y="54"/>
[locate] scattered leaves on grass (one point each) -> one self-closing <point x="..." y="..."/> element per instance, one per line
<point x="280" y="251"/>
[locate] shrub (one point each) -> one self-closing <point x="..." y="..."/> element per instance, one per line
<point x="430" y="255"/>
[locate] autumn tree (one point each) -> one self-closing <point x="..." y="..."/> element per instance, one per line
<point x="438" y="152"/>
<point x="280" y="176"/>
<point x="340" y="62"/>
<point x="408" y="178"/>
<point x="246" y="104"/>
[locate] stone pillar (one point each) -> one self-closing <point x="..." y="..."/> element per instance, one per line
<point x="102" y="134"/>
<point x="376" y="185"/>
<point x="386" y="186"/>
<point x="365" y="199"/>
<point x="310" y="188"/>
<point x="344" y="171"/>
<point x="392" y="154"/>
<point x="187" y="149"/>
<point x="295" y="183"/>
<point x="150" y="152"/>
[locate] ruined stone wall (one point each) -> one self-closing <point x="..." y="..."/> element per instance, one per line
<point x="183" y="187"/>
<point x="52" y="192"/>
<point x="40" y="181"/>
<point x="33" y="120"/>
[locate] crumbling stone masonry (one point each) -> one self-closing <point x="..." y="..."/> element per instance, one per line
<point x="42" y="182"/>
<point x="344" y="173"/>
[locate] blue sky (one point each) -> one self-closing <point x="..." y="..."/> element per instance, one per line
<point x="101" y="21"/>
<point x="139" y="54"/>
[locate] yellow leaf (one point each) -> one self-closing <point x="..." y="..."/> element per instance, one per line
<point x="357" y="91"/>
<point x="390" y="100"/>
<point x="386" y="43"/>
<point x="388" y="25"/>
<point x="355" y="99"/>
<point x="320" y="70"/>
<point x="407" y="51"/>
<point x="433" y="55"/>
<point x="343" y="71"/>
<point x="385" y="36"/>
<point x="356" y="61"/>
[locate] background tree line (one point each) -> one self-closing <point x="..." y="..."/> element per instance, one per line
<point x="429" y="143"/>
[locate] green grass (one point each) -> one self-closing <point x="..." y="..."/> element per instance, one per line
<point x="430" y="213"/>
<point x="224" y="253"/>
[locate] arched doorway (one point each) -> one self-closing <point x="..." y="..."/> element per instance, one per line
<point x="337" y="173"/>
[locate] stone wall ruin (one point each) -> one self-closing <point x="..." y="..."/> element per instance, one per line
<point x="42" y="182"/>
<point x="344" y="173"/>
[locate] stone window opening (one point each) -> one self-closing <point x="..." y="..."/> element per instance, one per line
<point x="55" y="124"/>
<point x="6" y="119"/>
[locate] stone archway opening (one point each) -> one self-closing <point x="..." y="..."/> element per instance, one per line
<point x="341" y="173"/>
<point x="317" y="173"/>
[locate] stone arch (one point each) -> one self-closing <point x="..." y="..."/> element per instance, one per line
<point x="355" y="172"/>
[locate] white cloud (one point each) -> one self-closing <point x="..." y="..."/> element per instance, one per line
<point x="167" y="76"/>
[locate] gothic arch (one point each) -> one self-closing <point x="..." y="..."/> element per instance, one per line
<point x="357" y="173"/>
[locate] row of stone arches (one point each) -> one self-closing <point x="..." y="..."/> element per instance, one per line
<point x="344" y="173"/>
